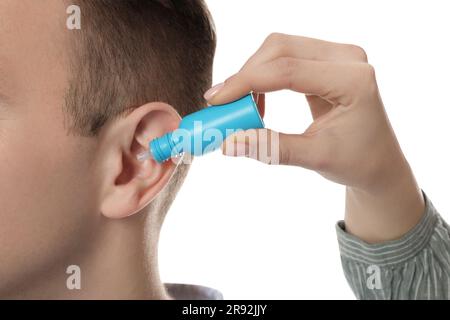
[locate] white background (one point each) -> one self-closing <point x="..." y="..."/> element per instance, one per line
<point x="264" y="232"/>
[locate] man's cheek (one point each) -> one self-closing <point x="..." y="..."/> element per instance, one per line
<point x="27" y="163"/>
<point x="38" y="192"/>
<point x="42" y="169"/>
<point x="23" y="192"/>
<point x="23" y="177"/>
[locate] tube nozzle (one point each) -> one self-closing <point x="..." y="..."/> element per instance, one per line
<point x="143" y="156"/>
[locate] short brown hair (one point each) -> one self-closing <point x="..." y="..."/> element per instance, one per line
<point x="129" y="52"/>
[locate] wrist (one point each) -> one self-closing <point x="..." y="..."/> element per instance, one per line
<point x="386" y="209"/>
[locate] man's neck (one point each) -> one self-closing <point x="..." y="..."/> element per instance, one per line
<point x="119" y="262"/>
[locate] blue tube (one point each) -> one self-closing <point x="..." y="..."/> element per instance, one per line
<point x="205" y="130"/>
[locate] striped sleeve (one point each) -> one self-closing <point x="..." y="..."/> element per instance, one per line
<point x="416" y="266"/>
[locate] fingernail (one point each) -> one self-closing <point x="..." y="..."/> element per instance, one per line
<point x="213" y="91"/>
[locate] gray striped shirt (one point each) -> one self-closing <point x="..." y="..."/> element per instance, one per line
<point x="416" y="266"/>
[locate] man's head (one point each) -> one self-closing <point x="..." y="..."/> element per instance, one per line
<point x="76" y="107"/>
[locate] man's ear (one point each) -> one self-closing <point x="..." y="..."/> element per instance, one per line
<point x="128" y="184"/>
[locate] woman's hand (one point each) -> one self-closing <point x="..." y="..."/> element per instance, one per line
<point x="350" y="140"/>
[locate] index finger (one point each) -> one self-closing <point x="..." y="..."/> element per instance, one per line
<point x="283" y="45"/>
<point x="333" y="81"/>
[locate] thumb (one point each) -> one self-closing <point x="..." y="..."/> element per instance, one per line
<point x="271" y="147"/>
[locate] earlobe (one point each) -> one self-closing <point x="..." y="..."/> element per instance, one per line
<point x="130" y="184"/>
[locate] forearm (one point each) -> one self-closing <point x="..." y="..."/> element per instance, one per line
<point x="385" y="213"/>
